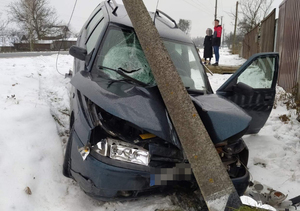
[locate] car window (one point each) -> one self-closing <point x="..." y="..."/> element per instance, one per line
<point x="91" y="26"/>
<point x="121" y="49"/>
<point x="93" y="38"/>
<point x="187" y="63"/>
<point x="95" y="11"/>
<point x="260" y="73"/>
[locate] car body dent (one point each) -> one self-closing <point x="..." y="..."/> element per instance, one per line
<point x="144" y="107"/>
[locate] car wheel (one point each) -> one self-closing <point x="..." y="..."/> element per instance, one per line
<point x="67" y="159"/>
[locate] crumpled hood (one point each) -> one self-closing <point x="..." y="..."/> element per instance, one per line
<point x="144" y="107"/>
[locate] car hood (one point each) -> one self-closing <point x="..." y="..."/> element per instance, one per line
<point x="223" y="119"/>
<point x="144" y="107"/>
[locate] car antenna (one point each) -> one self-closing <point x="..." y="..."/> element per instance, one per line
<point x="155" y="12"/>
<point x="116" y="6"/>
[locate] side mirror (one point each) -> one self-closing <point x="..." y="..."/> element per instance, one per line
<point x="78" y="53"/>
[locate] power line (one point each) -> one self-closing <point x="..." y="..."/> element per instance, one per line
<point x="202" y="5"/>
<point x="195" y="6"/>
<point x="201" y="9"/>
<point x="65" y="36"/>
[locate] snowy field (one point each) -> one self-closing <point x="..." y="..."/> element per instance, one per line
<point x="34" y="109"/>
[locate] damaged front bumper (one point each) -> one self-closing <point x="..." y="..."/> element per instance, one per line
<point x="108" y="179"/>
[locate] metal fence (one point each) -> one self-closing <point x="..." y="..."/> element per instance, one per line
<point x="261" y="38"/>
<point x="288" y="45"/>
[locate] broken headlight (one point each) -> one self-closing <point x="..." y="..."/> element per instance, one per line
<point x="119" y="150"/>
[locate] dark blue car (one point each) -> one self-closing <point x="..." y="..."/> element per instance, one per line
<point x="122" y="143"/>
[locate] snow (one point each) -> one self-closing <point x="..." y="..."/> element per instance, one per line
<point x="34" y="128"/>
<point x="44" y="41"/>
<point x="249" y="201"/>
<point x="226" y="58"/>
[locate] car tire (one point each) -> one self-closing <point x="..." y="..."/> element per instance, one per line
<point x="67" y="158"/>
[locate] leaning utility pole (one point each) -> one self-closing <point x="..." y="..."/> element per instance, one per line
<point x="216" y="9"/>
<point x="209" y="171"/>
<point x="234" y="34"/>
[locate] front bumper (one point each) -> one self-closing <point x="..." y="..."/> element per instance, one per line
<point x="107" y="180"/>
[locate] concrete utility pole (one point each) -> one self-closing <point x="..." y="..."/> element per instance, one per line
<point x="234" y="34"/>
<point x="216" y="9"/>
<point x="210" y="173"/>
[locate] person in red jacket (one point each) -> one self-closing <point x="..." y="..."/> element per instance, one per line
<point x="216" y="42"/>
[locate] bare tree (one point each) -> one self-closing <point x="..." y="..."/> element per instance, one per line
<point x="252" y="12"/>
<point x="229" y="39"/>
<point x="36" y="17"/>
<point x="184" y="25"/>
<point x="3" y="25"/>
<point x="198" y="41"/>
<point x="15" y="35"/>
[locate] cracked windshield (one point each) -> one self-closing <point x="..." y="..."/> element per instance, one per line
<point x="121" y="49"/>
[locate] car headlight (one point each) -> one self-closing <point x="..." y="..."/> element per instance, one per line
<point x="119" y="150"/>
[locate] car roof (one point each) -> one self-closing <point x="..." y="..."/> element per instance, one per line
<point x="165" y="27"/>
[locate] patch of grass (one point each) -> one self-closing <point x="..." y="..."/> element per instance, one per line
<point x="65" y="112"/>
<point x="57" y="120"/>
<point x="284" y="118"/>
<point x="261" y="164"/>
<point x="291" y="101"/>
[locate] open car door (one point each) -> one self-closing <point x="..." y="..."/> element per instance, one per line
<point x="253" y="88"/>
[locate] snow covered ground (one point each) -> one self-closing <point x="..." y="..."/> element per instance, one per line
<point x="226" y="58"/>
<point x="34" y="128"/>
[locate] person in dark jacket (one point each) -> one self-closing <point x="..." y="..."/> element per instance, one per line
<point x="208" y="52"/>
<point x="216" y="42"/>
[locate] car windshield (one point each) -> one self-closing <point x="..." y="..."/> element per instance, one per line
<point x="122" y="51"/>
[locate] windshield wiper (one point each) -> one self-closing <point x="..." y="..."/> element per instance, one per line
<point x="127" y="79"/>
<point x="126" y="71"/>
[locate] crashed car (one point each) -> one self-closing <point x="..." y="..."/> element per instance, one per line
<point x="122" y="141"/>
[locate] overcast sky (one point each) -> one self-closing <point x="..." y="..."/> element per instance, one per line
<point x="200" y="12"/>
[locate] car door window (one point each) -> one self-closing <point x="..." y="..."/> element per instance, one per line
<point x="93" y="38"/>
<point x="259" y="74"/>
<point x="95" y="11"/>
<point x="94" y="21"/>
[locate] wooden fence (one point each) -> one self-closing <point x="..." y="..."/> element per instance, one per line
<point x="288" y="46"/>
<point x="261" y="38"/>
<point x="250" y="43"/>
<point x="267" y="33"/>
